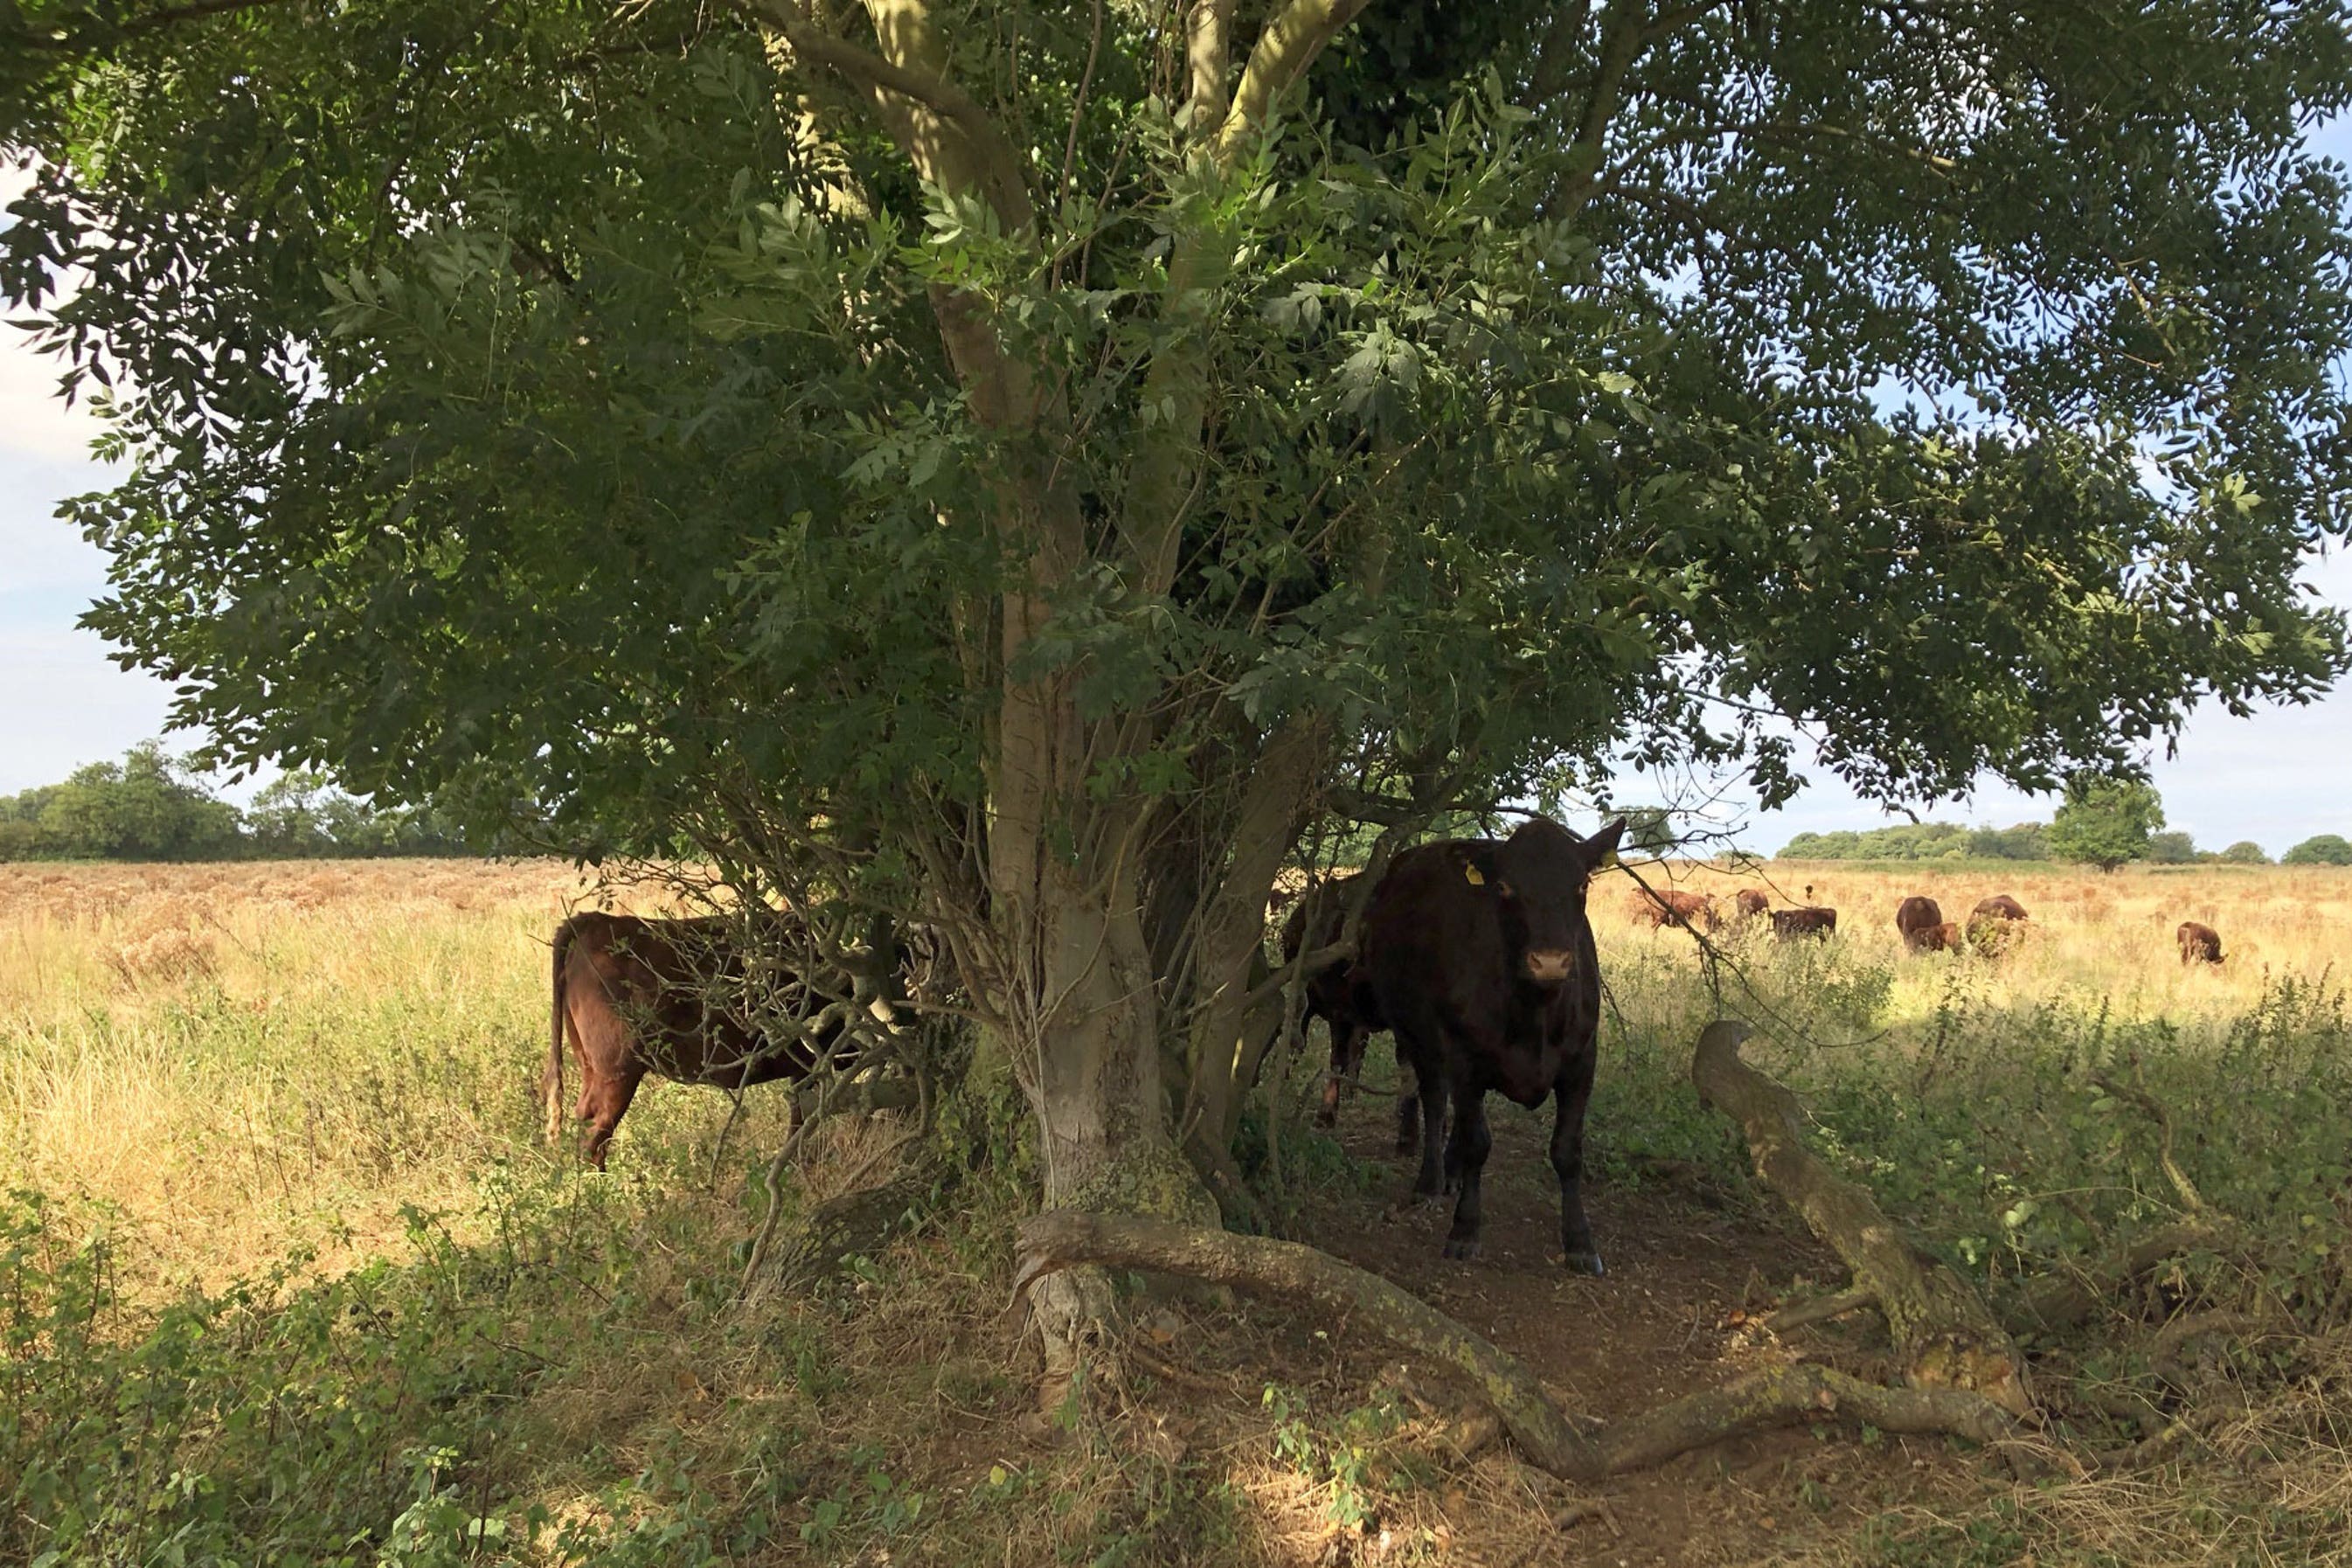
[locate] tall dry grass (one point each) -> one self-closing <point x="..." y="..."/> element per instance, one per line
<point x="246" y="1059"/>
<point x="2093" y="941"/>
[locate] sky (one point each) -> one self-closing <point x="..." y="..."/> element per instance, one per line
<point x="2275" y="777"/>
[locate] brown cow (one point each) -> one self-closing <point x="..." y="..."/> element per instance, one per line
<point x="661" y="996"/>
<point x="1915" y="918"/>
<point x="1790" y="924"/>
<point x="1750" y="902"/>
<point x="2198" y="942"/>
<point x="1483" y="963"/>
<point x="1945" y="938"/>
<point x="1665" y="906"/>
<point x="1335" y="993"/>
<point x="1996" y="922"/>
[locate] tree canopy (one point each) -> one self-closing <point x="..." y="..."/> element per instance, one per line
<point x="1036" y="466"/>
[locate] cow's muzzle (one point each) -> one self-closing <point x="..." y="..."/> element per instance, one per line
<point x="1550" y="966"/>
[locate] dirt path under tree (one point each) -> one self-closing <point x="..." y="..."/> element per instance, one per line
<point x="1668" y="1318"/>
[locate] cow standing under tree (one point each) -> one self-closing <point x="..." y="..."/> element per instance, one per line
<point x="1336" y="991"/>
<point x="1915" y="918"/>
<point x="669" y="997"/>
<point x="1482" y="962"/>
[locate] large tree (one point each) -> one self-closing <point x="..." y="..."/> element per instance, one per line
<point x="1033" y="466"/>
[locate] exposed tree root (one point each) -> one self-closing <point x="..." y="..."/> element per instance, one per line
<point x="1946" y="1336"/>
<point x="1572" y="1449"/>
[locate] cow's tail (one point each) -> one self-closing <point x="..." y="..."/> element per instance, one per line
<point x="551" y="1078"/>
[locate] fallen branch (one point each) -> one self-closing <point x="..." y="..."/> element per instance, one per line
<point x="1819" y="1309"/>
<point x="2068" y="1301"/>
<point x="2135" y="1094"/>
<point x="1944" y="1335"/>
<point x="1572" y="1449"/>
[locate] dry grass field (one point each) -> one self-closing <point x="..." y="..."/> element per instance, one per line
<point x="281" y="1206"/>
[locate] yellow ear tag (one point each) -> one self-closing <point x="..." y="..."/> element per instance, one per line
<point x="1470" y="875"/>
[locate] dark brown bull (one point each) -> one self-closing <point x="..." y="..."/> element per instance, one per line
<point x="2000" y="906"/>
<point x="1665" y="906"/>
<point x="2199" y="943"/>
<point x="663" y="997"/>
<point x="1815" y="921"/>
<point x="1482" y="962"/>
<point x="1914" y="917"/>
<point x="1336" y="991"/>
<point x="1750" y="902"/>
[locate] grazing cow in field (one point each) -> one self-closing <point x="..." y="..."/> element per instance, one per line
<point x="2199" y="943"/>
<point x="1335" y="993"/>
<point x="1663" y="906"/>
<point x="1914" y="917"/>
<point x="1815" y="921"/>
<point x="1750" y="902"/>
<point x="661" y="996"/>
<point x="1482" y="962"/>
<point x="1945" y="938"/>
<point x="1995" y="922"/>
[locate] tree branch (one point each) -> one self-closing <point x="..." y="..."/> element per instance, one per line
<point x="1208" y="47"/>
<point x="1284" y="51"/>
<point x="925" y="82"/>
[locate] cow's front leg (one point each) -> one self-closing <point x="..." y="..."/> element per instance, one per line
<point x="1465" y="1157"/>
<point x="1571" y="1092"/>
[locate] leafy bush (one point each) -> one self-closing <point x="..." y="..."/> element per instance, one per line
<point x="2326" y="849"/>
<point x="2244" y="852"/>
<point x="2105" y="821"/>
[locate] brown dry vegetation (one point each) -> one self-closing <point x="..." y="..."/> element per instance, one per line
<point x="219" y="1070"/>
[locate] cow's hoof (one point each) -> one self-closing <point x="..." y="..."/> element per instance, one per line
<point x="1583" y="1262"/>
<point x="1462" y="1247"/>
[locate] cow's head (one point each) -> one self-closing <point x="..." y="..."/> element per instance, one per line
<point x="1540" y="874"/>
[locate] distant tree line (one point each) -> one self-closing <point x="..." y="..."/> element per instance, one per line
<point x="154" y="806"/>
<point x="2099" y="829"/>
<point x="1924" y="841"/>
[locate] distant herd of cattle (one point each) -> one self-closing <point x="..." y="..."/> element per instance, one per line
<point x="1477" y="954"/>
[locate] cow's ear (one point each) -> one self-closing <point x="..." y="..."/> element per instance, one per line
<point x="1603" y="844"/>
